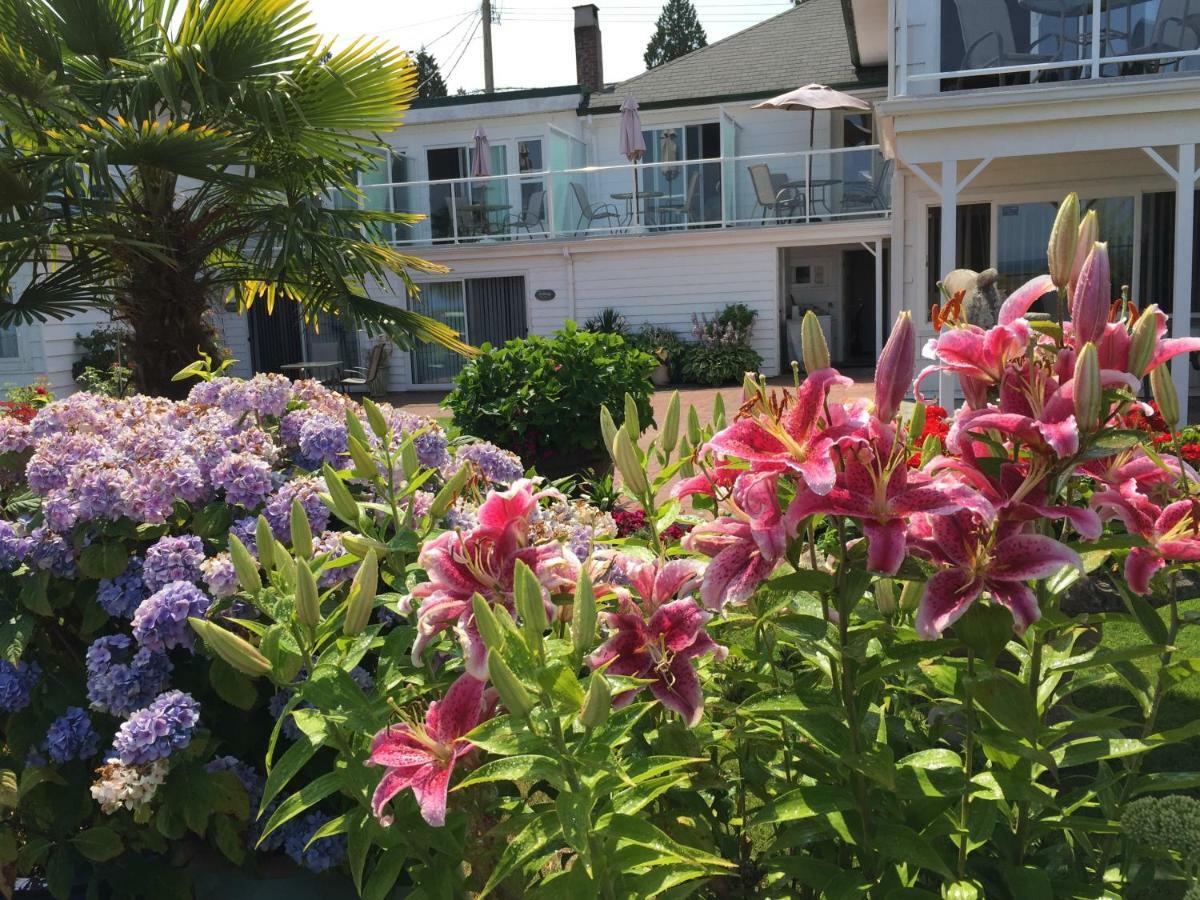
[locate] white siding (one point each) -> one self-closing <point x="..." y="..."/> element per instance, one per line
<point x="233" y="333"/>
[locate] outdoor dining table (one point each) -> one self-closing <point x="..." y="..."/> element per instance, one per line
<point x="329" y="366"/>
<point x="628" y="196"/>
<point x="815" y="185"/>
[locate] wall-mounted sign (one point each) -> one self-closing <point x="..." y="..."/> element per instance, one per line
<point x="544" y="294"/>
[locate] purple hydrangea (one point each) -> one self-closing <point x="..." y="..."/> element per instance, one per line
<point x="122" y="595"/>
<point x="50" y="552"/>
<point x="246" y="531"/>
<point x="71" y="736"/>
<point x="322" y="439"/>
<point x="245" y="479"/>
<point x="496" y="465"/>
<point x="263" y="395"/>
<point x="173" y="559"/>
<point x="206" y="393"/>
<point x="161" y="621"/>
<point x="322" y="854"/>
<point x="17" y="683"/>
<point x="14" y="545"/>
<point x="121" y="679"/>
<point x="278" y="510"/>
<point x="157" y="731"/>
<point x="329" y="543"/>
<point x="15" y="435"/>
<point x="219" y="576"/>
<point x="431" y="444"/>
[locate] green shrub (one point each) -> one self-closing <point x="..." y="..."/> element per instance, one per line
<point x="663" y="344"/>
<point x="718" y="364"/>
<point x="607" y="321"/>
<point x="541" y="396"/>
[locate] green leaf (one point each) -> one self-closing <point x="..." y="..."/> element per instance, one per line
<point x="805" y="580"/>
<point x="634" y="830"/>
<point x="383" y="877"/>
<point x="1028" y="882"/>
<point x="231" y="685"/>
<point x="1008" y="702"/>
<point x="507" y="736"/>
<point x="559" y="681"/>
<point x="60" y="872"/>
<point x="1146" y="615"/>
<point x="228" y="839"/>
<point x="106" y="559"/>
<point x="804" y="803"/>
<point x="213" y="520"/>
<point x="307" y="797"/>
<point x="986" y="629"/>
<point x="540" y="830"/>
<point x="98" y="844"/>
<point x="525" y="768"/>
<point x="900" y="843"/>
<point x="9" y="795"/>
<point x="574" y="810"/>
<point x="14" y="636"/>
<point x="286" y="768"/>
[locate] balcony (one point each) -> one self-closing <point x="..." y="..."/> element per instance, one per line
<point x="953" y="45"/>
<point x="762" y="191"/>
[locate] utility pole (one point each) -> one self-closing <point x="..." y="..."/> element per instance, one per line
<point x="489" y="81"/>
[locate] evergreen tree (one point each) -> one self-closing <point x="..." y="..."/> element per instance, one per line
<point x="430" y="83"/>
<point x="678" y="31"/>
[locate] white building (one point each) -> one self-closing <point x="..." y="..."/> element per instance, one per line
<point x="990" y="111"/>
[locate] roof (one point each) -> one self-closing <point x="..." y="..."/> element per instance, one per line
<point x="808" y="43"/>
<point x="497" y="96"/>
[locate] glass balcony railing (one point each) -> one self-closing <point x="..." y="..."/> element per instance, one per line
<point x="949" y="45"/>
<point x="765" y="190"/>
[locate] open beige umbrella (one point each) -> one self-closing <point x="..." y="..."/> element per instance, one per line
<point x="813" y="97"/>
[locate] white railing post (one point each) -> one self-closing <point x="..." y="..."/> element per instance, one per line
<point x="1095" y="68"/>
<point x="901" y="40"/>
<point x="551" y="231"/>
<point x="807" y="187"/>
<point x="453" y="213"/>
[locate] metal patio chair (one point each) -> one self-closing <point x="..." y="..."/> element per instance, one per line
<point x="988" y="41"/>
<point x="592" y="212"/>
<point x="530" y="217"/>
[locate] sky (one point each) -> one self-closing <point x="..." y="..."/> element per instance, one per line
<point x="534" y="43"/>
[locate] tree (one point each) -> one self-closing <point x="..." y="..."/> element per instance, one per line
<point x="677" y="32"/>
<point x="429" y="77"/>
<point x="157" y="158"/>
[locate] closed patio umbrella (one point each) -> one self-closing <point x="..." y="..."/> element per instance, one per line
<point x="633" y="144"/>
<point x="481" y="165"/>
<point x="813" y="97"/>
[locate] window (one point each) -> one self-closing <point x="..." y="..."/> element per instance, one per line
<point x="481" y="310"/>
<point x="530" y="160"/>
<point x="973" y="244"/>
<point x="466" y="208"/>
<point x="383" y="191"/>
<point x="692" y="186"/>
<point x="10" y="347"/>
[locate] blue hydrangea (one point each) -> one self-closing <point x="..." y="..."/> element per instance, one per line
<point x="157" y="731"/>
<point x="14" y="545"/>
<point x="71" y="736"/>
<point x="322" y="439"/>
<point x="122" y="595"/>
<point x="245" y="530"/>
<point x="278" y="510"/>
<point x="497" y="466"/>
<point x="173" y="559"/>
<point x="161" y="621"/>
<point x="17" y="683"/>
<point x="321" y="855"/>
<point x="245" y="478"/>
<point x="121" y="678"/>
<point x="50" y="552"/>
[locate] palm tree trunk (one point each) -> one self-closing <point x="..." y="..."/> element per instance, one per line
<point x="169" y="313"/>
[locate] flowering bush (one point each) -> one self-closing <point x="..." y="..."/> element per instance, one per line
<point x="850" y="676"/>
<point x="721" y="353"/>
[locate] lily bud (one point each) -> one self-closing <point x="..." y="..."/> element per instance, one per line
<point x="308" y="604"/>
<point x="360" y="545"/>
<point x="527" y="591"/>
<point x="1088" y="393"/>
<point x="597" y="704"/>
<point x="361" y="599"/>
<point x="1089" y="230"/>
<point x="1142" y="341"/>
<point x="487" y="623"/>
<point x="1162" y="388"/>
<point x="364" y="464"/>
<point x="264" y="541"/>
<point x="668" y="437"/>
<point x="340" y="501"/>
<point x="1090" y="301"/>
<point x="718" y="413"/>
<point x="608" y="428"/>
<point x="629" y="465"/>
<point x="236" y="651"/>
<point x="354" y="427"/>
<point x="244" y="566"/>
<point x="749" y="386"/>
<point x="302" y="537"/>
<point x="916" y="425"/>
<point x="1060" y="253"/>
<point x="512" y="693"/>
<point x="885" y="596"/>
<point x="443" y="498"/>
<point x="583" y="616"/>
<point x="284" y="565"/>
<point x="694" y="433"/>
<point x="632" y="424"/>
<point x="375" y="418"/>
<point x="910" y="596"/>
<point x="894" y="372"/>
<point x="410" y="463"/>
<point x="813" y="349"/>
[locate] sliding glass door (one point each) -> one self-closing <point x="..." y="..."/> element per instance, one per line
<point x="444" y="301"/>
<point x="481" y="310"/>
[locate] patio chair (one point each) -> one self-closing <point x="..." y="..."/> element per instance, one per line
<point x="769" y="197"/>
<point x="873" y="192"/>
<point x="465" y="214"/>
<point x="1176" y="27"/>
<point x="373" y="378"/>
<point x="592" y="212"/>
<point x="988" y="41"/>
<point x="531" y="216"/>
<point x="686" y="210"/>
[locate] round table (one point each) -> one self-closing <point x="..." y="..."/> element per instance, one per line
<point x="628" y="196"/>
<point x="814" y="184"/>
<point x="315" y="366"/>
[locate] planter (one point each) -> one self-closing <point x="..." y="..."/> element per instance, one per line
<point x="661" y="376"/>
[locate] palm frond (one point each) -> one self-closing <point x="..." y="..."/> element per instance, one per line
<point x="105" y="29"/>
<point x="59" y="294"/>
<point x="240" y="39"/>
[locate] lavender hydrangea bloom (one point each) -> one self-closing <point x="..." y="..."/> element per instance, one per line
<point x="157" y="731"/>
<point x="496" y="465"/>
<point x="206" y="393"/>
<point x="219" y="576"/>
<point x="161" y="621"/>
<point x="264" y="395"/>
<point x="322" y="854"/>
<point x="307" y="490"/>
<point x="122" y="595"/>
<point x="50" y="552"/>
<point x="245" y="479"/>
<point x="71" y="736"/>
<point x="121" y="679"/>
<point x="329" y="543"/>
<point x="246" y="531"/>
<point x="322" y="439"/>
<point x="15" y="435"/>
<point x="173" y="559"/>
<point x="17" y="683"/>
<point x="14" y="545"/>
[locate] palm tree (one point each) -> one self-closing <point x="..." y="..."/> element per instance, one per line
<point x="158" y="157"/>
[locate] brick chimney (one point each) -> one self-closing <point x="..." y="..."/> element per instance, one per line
<point x="589" y="60"/>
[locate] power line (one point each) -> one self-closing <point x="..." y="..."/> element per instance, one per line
<point x="466" y="47"/>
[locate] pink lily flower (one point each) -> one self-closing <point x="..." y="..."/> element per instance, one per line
<point x="980" y="559"/>
<point x="422" y="757"/>
<point x="979" y="357"/>
<point x="791" y="437"/>
<point x="1113" y="347"/>
<point x="1173" y="534"/>
<point x="894" y="372"/>
<point x="483" y="561"/>
<point x="1092" y="296"/>
<point x="662" y="581"/>
<point x="660" y="649"/>
<point x="722" y="475"/>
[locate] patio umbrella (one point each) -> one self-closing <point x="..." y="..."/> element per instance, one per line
<point x="668" y="151"/>
<point x="481" y="165"/>
<point x="633" y="145"/>
<point x="813" y="97"/>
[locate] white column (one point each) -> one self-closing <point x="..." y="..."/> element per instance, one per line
<point x="1181" y="310"/>
<point x="881" y="322"/>
<point x="946" y="258"/>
